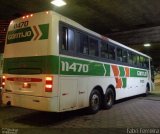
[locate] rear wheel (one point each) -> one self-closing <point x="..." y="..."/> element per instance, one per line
<point x="108" y="98"/>
<point x="147" y="90"/>
<point x="94" y="101"/>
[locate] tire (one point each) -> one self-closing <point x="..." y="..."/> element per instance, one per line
<point x="108" y="98"/>
<point x="94" y="102"/>
<point x="147" y="91"/>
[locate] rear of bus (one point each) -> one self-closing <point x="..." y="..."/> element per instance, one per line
<point x="31" y="62"/>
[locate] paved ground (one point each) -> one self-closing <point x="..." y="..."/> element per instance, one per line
<point x="127" y="116"/>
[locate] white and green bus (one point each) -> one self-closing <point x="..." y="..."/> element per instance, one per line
<point x="52" y="63"/>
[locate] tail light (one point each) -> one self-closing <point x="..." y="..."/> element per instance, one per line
<point x="3" y="81"/>
<point x="49" y="84"/>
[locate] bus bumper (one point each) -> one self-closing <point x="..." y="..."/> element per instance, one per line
<point x="31" y="102"/>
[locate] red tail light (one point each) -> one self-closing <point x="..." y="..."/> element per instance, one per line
<point x="49" y="84"/>
<point x="3" y="81"/>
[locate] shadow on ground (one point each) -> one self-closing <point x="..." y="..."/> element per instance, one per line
<point x="43" y="119"/>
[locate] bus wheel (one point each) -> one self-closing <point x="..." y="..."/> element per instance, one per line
<point x="147" y="90"/>
<point x="94" y="101"/>
<point x="108" y="98"/>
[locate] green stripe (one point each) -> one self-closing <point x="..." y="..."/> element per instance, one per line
<point x="44" y="29"/>
<point x="108" y="69"/>
<point x="69" y="66"/>
<point x="50" y="65"/>
<point x="138" y="73"/>
<point x="122" y="72"/>
<point x="124" y="80"/>
<point x="64" y="66"/>
<point x="46" y="64"/>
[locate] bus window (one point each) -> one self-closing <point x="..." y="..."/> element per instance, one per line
<point x="134" y="59"/>
<point x="119" y="54"/>
<point x="124" y="56"/>
<point x="70" y="40"/>
<point x="64" y="45"/>
<point x="67" y="39"/>
<point x="104" y="49"/>
<point x="138" y="60"/>
<point x="146" y="63"/>
<point x="82" y="42"/>
<point x="141" y="61"/>
<point x="130" y="58"/>
<point x="93" y="47"/>
<point x="111" y="52"/>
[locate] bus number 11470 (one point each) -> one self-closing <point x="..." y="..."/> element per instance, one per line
<point x="75" y="67"/>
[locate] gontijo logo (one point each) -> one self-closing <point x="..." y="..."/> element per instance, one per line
<point x="39" y="32"/>
<point x="20" y="35"/>
<point x="141" y="73"/>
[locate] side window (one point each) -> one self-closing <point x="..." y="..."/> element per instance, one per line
<point x="141" y="61"/>
<point x="134" y="59"/>
<point x="64" y="41"/>
<point x="138" y="60"/>
<point x="70" y="39"/>
<point x="119" y="54"/>
<point x="104" y="49"/>
<point x="124" y="56"/>
<point x="67" y="39"/>
<point x="146" y="62"/>
<point x="93" y="47"/>
<point x="82" y="43"/>
<point x="111" y="52"/>
<point x="130" y="58"/>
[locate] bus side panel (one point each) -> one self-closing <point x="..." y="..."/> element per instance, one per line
<point x="134" y="87"/>
<point x="129" y="81"/>
<point x="68" y="97"/>
<point x="82" y="92"/>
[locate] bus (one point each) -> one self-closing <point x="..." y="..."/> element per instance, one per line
<point x="52" y="63"/>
